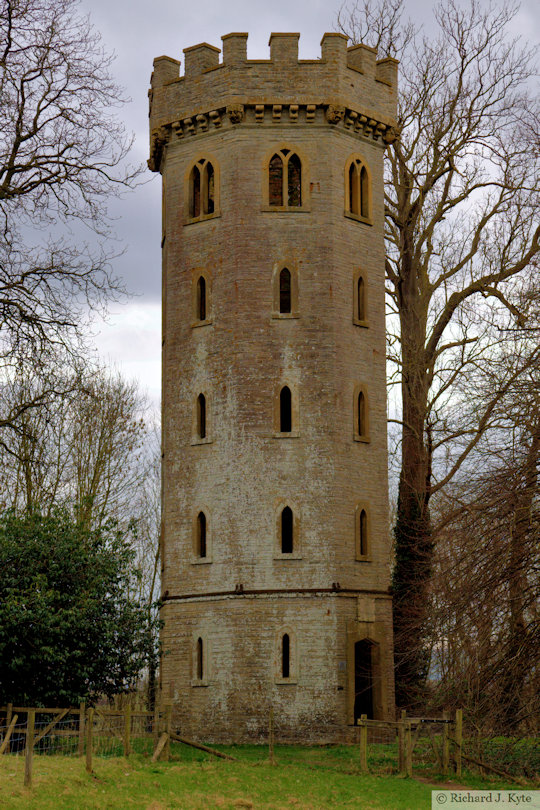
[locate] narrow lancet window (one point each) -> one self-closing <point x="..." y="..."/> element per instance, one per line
<point x="201" y="416"/>
<point x="201" y="535"/>
<point x="195" y="192"/>
<point x="285" y="410"/>
<point x="285" y="291"/>
<point x="201" y="299"/>
<point x="275" y="179"/>
<point x="209" y="188"/>
<point x="287" y="531"/>
<point x="200" y="659"/>
<point x="362" y="426"/>
<point x="285" y="656"/>
<point x="361" y="299"/>
<point x="354" y="206"/>
<point x="364" y="192"/>
<point x="363" y="534"/>
<point x="294" y="177"/>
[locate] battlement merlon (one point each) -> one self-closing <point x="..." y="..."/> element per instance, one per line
<point x="347" y="77"/>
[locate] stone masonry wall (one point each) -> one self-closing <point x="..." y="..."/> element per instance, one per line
<point x="242" y="597"/>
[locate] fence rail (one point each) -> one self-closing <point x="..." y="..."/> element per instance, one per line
<point x="78" y="731"/>
<point x="409" y="730"/>
<point x="403" y="745"/>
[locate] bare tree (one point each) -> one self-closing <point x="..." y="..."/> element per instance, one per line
<point x="86" y="446"/>
<point x="485" y="592"/>
<point x="462" y="240"/>
<point x="62" y="155"/>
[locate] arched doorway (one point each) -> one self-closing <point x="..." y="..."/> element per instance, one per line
<point x="363" y="679"/>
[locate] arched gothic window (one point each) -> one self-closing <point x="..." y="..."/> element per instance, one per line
<point x="201" y="298"/>
<point x="361" y="414"/>
<point x="201" y="535"/>
<point x="361" y="426"/>
<point x="360" y="299"/>
<point x="287" y="531"/>
<point x="363" y="544"/>
<point x="285" y="656"/>
<point x="285" y="290"/>
<point x="285" y="410"/>
<point x="285" y="179"/>
<point x="358" y="191"/>
<point x="201" y="416"/>
<point x="200" y="659"/>
<point x="202" y="190"/>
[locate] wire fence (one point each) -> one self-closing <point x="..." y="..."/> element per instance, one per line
<point x="79" y="732"/>
<point x="425" y="745"/>
<point x="445" y="746"/>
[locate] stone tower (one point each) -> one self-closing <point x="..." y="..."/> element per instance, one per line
<point x="275" y="544"/>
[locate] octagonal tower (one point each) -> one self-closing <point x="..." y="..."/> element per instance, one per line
<point x="275" y="545"/>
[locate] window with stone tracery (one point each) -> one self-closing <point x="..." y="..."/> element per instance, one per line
<point x="202" y="191"/>
<point x="357" y="190"/>
<point x="285" y="179"/>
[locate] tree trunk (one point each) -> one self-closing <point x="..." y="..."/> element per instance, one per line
<point x="412" y="531"/>
<point x="517" y="647"/>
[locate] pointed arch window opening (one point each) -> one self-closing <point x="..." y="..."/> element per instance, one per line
<point x="201" y="535"/>
<point x="200" y="659"/>
<point x="285" y="290"/>
<point x="201" y="416"/>
<point x="285" y="179"/>
<point x="294" y="182"/>
<point x="362" y="426"/>
<point x="364" y="192"/>
<point x="195" y="186"/>
<point x="358" y="190"/>
<point x="354" y="205"/>
<point x="209" y="189"/>
<point x="202" y="189"/>
<point x="286" y="656"/>
<point x="275" y="178"/>
<point x="363" y="534"/>
<point x="287" y="531"/>
<point x="361" y="299"/>
<point x="285" y="410"/>
<point x="201" y="299"/>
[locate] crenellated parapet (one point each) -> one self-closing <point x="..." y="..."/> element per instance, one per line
<point x="346" y="88"/>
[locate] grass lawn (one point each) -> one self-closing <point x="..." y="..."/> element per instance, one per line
<point x="303" y="779"/>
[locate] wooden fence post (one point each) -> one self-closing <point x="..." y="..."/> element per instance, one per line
<point x="127" y="730"/>
<point x="363" y="743"/>
<point x="9" y="713"/>
<point x="408" y="748"/>
<point x="401" y="742"/>
<point x="5" y="743"/>
<point x="459" y="739"/>
<point x="29" y="750"/>
<point x="82" y="712"/>
<point x="89" y="741"/>
<point x="445" y="745"/>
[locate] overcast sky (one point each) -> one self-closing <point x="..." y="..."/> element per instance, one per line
<point x="138" y="31"/>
